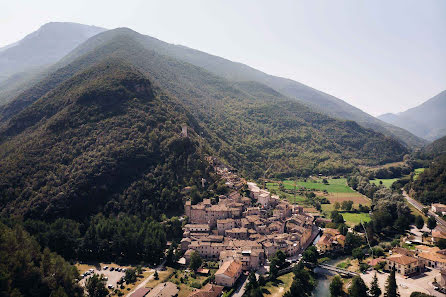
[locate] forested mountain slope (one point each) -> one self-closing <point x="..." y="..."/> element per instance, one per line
<point x="430" y="186"/>
<point x="103" y="140"/>
<point x="238" y="72"/>
<point x="426" y="120"/>
<point x="43" y="47"/>
<point x="248" y="124"/>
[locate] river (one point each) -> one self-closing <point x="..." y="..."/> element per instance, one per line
<point x="324" y="277"/>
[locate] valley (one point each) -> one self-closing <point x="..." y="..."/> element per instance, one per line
<point x="130" y="166"/>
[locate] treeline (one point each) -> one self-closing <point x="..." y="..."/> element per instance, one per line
<point x="430" y="186"/>
<point x="390" y="213"/>
<point x="122" y="238"/>
<point x="26" y="270"/>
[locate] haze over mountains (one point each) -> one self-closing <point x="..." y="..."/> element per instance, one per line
<point x="233" y="72"/>
<point x="100" y="131"/>
<point x="43" y="47"/>
<point x="427" y="120"/>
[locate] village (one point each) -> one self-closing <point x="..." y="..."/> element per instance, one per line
<point x="240" y="232"/>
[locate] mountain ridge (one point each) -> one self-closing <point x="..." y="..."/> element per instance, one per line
<point x="239" y="72"/>
<point x="426" y="120"/>
<point x="43" y="47"/>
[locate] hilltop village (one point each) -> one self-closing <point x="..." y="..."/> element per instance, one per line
<point x="241" y="232"/>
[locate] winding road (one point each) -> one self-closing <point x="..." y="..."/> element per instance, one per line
<point x="441" y="224"/>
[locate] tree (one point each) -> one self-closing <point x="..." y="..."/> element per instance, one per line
<point x="336" y="287"/>
<point x="281" y="257"/>
<point x="336" y="217"/>
<point x="419" y="222"/>
<point x="261" y="280"/>
<point x="375" y="290"/>
<point x="195" y="261"/>
<point x="130" y="276"/>
<point x="352" y="240"/>
<point x="310" y="255"/>
<point x="358" y="288"/>
<point x="431" y="223"/>
<point x="358" y="253"/>
<point x="170" y="257"/>
<point x="155" y="275"/>
<point x="95" y="286"/>
<point x="273" y="271"/>
<point x="343" y="229"/>
<point x="139" y="269"/>
<point x="441" y="243"/>
<point x="303" y="283"/>
<point x="391" y="286"/>
<point x="347" y="205"/>
<point x="337" y="206"/>
<point x="252" y="281"/>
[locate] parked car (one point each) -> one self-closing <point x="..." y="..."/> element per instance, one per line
<point x="105" y="267"/>
<point x="112" y="268"/>
<point x="110" y="286"/>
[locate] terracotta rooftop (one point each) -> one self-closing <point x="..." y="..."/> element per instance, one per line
<point x="229" y="268"/>
<point x="432" y="256"/>
<point x="209" y="290"/>
<point x="402" y="259"/>
<point x="164" y="290"/>
<point x="141" y="292"/>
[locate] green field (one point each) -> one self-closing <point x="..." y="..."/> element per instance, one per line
<point x="418" y="171"/>
<point x="350" y="218"/>
<point x="386" y="182"/>
<point x="334" y="185"/>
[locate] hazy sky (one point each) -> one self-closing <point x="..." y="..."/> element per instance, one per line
<point x="381" y="56"/>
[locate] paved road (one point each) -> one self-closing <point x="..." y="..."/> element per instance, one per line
<point x="440" y="222"/>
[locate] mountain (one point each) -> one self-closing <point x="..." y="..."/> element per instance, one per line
<point x="237" y="72"/>
<point x="248" y="124"/>
<point x="426" y="120"/>
<point x="105" y="139"/>
<point x="43" y="47"/>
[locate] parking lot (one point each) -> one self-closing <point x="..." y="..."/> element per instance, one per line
<point x="112" y="275"/>
<point x="420" y="283"/>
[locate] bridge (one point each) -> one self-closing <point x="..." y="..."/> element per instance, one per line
<point x="338" y="270"/>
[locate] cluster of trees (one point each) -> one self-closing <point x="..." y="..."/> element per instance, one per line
<point x="391" y="215"/>
<point x="103" y="141"/>
<point x="385" y="172"/>
<point x="277" y="262"/>
<point x="27" y="270"/>
<point x="359" y="289"/>
<point x="254" y="286"/>
<point x="430" y="186"/>
<point x="114" y="238"/>
<point x="303" y="282"/>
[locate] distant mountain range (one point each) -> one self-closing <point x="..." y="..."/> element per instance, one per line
<point x="43" y="47"/>
<point x="233" y="72"/>
<point x="427" y="120"/>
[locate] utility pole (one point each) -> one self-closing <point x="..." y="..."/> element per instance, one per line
<point x="367" y="237"/>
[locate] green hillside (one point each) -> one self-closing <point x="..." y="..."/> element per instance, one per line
<point x="104" y="140"/>
<point x="251" y="126"/>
